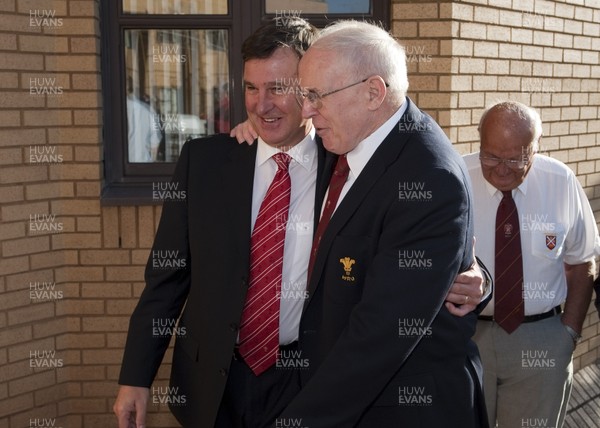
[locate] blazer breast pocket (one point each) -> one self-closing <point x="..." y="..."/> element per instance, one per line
<point x="346" y="267"/>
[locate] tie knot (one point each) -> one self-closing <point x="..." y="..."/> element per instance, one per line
<point x="341" y="167"/>
<point x="507" y="194"/>
<point x="283" y="160"/>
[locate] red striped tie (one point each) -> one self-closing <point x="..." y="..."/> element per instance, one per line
<point x="509" y="309"/>
<point x="259" y="328"/>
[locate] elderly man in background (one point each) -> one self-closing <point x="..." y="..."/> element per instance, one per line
<point x="536" y="231"/>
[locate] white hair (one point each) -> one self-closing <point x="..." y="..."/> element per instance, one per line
<point x="367" y="49"/>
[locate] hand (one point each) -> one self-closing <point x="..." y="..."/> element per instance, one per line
<point x="130" y="406"/>
<point x="244" y="132"/>
<point x="467" y="291"/>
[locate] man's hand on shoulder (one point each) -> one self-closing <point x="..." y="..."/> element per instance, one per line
<point x="244" y="132"/>
<point x="130" y="406"/>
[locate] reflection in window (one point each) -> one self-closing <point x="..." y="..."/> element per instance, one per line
<point x="177" y="89"/>
<point x="175" y="7"/>
<point x="285" y="8"/>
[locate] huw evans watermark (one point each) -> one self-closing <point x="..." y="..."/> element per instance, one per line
<point x="168" y="191"/>
<point x="168" y="260"/>
<point x="414" y="396"/>
<point x="167" y="327"/>
<point x="414" y="191"/>
<point x="414" y="259"/>
<point x="44" y="223"/>
<point x="44" y="18"/>
<point x="44" y="359"/>
<point x="413" y="327"/>
<point x="284" y="17"/>
<point x="537" y="359"/>
<point x="44" y="154"/>
<point x="44" y="291"/>
<point x="43" y="423"/>
<point x="168" y="54"/>
<point x="44" y="86"/>
<point x="168" y="395"/>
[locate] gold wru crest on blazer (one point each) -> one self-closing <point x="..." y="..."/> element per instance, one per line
<point x="347" y="262"/>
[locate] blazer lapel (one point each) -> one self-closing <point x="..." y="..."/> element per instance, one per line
<point x="386" y="154"/>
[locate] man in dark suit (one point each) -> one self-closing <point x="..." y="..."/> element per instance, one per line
<point x="199" y="268"/>
<point x="383" y="350"/>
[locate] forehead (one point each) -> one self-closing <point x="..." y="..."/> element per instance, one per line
<point x="318" y="66"/>
<point x="505" y="131"/>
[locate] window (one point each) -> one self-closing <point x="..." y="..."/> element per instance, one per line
<point x="172" y="71"/>
<point x="177" y="86"/>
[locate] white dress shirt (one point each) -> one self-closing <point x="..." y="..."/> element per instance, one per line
<point x="556" y="223"/>
<point x="299" y="233"/>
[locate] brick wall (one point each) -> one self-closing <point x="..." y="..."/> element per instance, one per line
<point x="71" y="269"/>
<point x="463" y="56"/>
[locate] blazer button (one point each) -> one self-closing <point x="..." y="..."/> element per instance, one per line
<point x="233" y="326"/>
<point x="223" y="372"/>
<point x="244" y="282"/>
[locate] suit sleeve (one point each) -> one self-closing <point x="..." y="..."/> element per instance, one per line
<point x="369" y="352"/>
<point x="167" y="278"/>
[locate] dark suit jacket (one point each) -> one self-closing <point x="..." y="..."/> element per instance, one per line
<point x="383" y="350"/>
<point x="210" y="229"/>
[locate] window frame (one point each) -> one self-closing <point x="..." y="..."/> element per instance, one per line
<point x="126" y="183"/>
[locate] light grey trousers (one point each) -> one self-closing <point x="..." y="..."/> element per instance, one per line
<point x="527" y="375"/>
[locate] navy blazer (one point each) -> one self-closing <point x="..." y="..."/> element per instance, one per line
<point x="382" y="349"/>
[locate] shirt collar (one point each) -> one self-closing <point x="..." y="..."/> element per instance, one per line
<point x="360" y="155"/>
<point x="304" y="153"/>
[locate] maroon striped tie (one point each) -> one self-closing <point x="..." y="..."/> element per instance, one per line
<point x="259" y="327"/>
<point x="336" y="183"/>
<point x="509" y="309"/>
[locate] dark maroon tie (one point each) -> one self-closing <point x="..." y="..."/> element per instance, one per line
<point x="338" y="179"/>
<point x="259" y="327"/>
<point x="509" y="309"/>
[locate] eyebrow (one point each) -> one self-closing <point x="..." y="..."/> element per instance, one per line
<point x="273" y="82"/>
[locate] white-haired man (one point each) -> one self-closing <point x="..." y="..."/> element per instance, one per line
<point x="395" y="228"/>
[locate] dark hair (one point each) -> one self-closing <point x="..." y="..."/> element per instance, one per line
<point x="294" y="33"/>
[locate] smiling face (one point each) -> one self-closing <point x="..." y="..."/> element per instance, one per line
<point x="505" y="136"/>
<point x="270" y="98"/>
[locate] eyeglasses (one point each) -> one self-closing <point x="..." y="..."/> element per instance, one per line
<point x="315" y="99"/>
<point x="514" y="164"/>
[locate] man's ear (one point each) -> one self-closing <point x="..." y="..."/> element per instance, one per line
<point x="377" y="89"/>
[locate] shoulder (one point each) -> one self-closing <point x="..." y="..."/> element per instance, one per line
<point x="547" y="166"/>
<point x="215" y="146"/>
